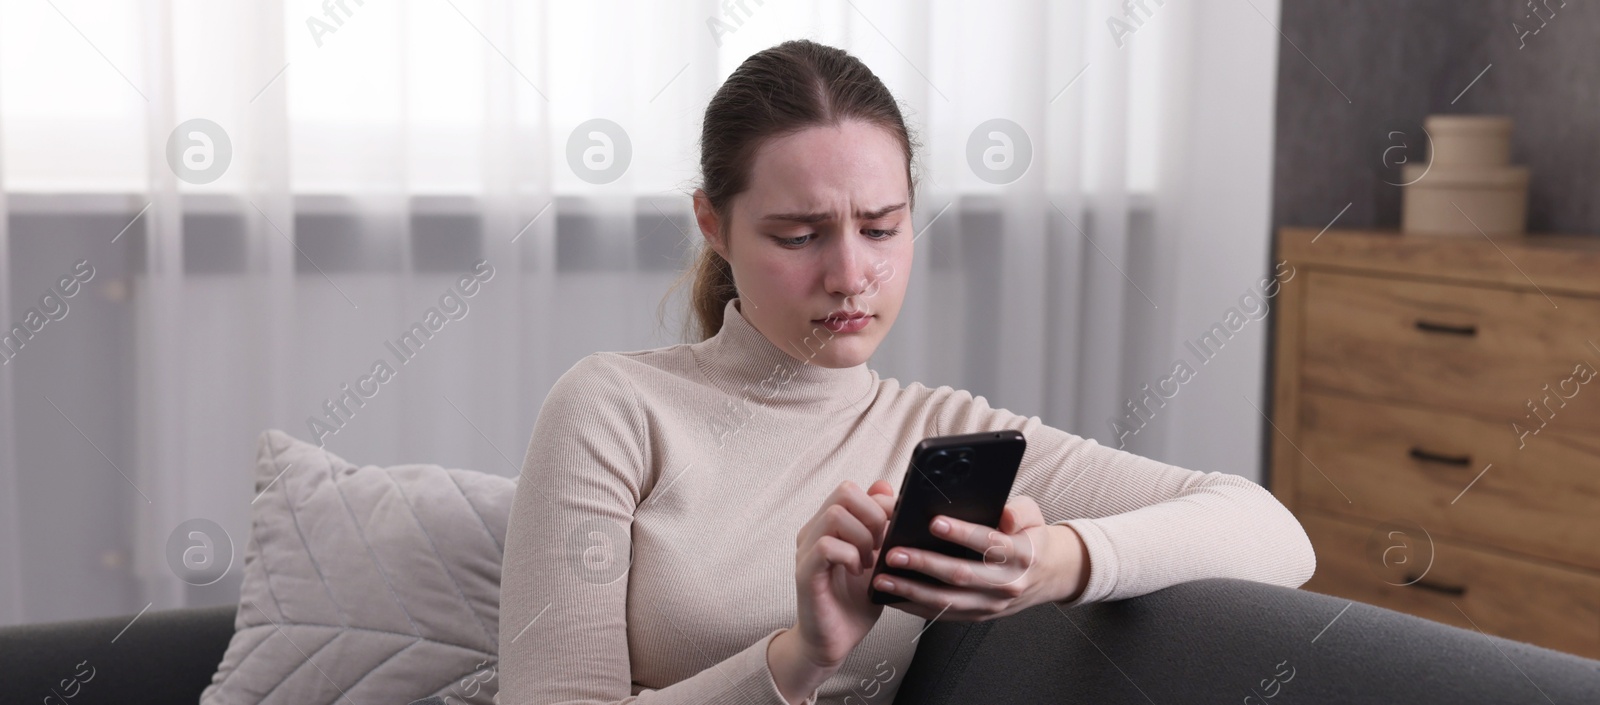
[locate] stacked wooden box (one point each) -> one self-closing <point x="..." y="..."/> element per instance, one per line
<point x="1468" y="186"/>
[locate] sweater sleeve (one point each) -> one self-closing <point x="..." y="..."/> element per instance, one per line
<point x="564" y="581"/>
<point x="1146" y="524"/>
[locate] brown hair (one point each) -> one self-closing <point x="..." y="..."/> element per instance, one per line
<point x="776" y="92"/>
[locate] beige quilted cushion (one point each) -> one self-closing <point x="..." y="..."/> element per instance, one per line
<point x="366" y="584"/>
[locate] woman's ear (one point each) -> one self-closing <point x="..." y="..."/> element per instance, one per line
<point x="710" y="225"/>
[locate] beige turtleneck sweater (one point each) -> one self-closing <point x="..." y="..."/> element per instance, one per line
<point x="650" y="552"/>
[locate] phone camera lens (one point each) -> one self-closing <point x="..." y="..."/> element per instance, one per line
<point x="961" y="468"/>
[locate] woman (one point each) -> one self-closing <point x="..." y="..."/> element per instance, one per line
<point x="697" y="523"/>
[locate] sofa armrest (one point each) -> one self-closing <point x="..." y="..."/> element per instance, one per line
<point x="1226" y="640"/>
<point x="163" y="657"/>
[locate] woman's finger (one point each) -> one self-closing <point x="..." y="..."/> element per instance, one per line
<point x="947" y="569"/>
<point x="849" y="514"/>
<point x="995" y="570"/>
<point x="842" y="524"/>
<point x="977" y="537"/>
<point x="883" y="494"/>
<point x="830" y="550"/>
<point x="931" y="597"/>
<point x="888" y="506"/>
<point x="868" y="511"/>
<point x="881" y="487"/>
<point x="1021" y="513"/>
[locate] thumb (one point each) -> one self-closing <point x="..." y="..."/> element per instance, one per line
<point x="883" y="493"/>
<point x="1020" y="513"/>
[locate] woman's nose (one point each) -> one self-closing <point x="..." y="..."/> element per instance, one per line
<point x="846" y="273"/>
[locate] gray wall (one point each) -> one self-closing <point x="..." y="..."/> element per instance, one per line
<point x="1399" y="61"/>
<point x="1352" y="72"/>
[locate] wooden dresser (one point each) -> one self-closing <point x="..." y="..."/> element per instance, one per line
<point x="1437" y="413"/>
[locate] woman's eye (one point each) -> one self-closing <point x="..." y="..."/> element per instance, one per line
<point x="800" y="241"/>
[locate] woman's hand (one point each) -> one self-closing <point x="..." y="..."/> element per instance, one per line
<point x="1025" y="563"/>
<point x="834" y="555"/>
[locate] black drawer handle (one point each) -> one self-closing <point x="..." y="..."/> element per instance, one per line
<point x="1457" y="590"/>
<point x="1420" y="454"/>
<point x="1431" y="327"/>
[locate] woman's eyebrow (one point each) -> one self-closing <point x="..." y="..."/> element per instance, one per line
<point x="822" y="217"/>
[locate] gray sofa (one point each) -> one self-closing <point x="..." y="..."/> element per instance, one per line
<point x="1213" y="641"/>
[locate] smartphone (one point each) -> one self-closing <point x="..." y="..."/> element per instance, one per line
<point x="968" y="477"/>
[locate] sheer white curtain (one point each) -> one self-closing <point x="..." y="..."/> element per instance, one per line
<point x="372" y="154"/>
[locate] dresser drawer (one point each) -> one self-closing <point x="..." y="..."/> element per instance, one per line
<point x="1478" y="350"/>
<point x="1523" y="600"/>
<point x="1381" y="461"/>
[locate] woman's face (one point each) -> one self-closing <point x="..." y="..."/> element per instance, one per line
<point x="820" y="242"/>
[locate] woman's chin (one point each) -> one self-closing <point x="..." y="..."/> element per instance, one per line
<point x="844" y="352"/>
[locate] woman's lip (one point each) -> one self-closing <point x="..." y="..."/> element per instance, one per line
<point x="846" y="325"/>
<point x="845" y="318"/>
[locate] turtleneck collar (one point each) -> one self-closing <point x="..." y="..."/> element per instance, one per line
<point x="741" y="361"/>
